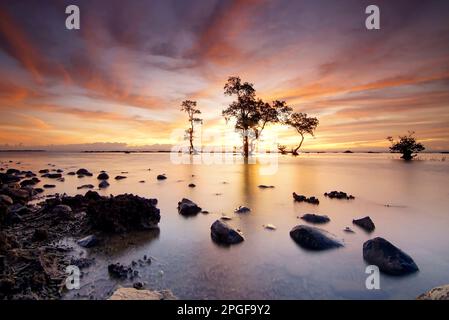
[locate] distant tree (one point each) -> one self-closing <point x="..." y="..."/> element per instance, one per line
<point x="303" y="125"/>
<point x="406" y="145"/>
<point x="251" y="114"/>
<point x="190" y="108"/>
<point x="282" y="149"/>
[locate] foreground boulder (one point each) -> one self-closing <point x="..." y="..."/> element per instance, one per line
<point x="135" y="294"/>
<point x="438" y="293"/>
<point x="222" y="233"/>
<point x="187" y="207"/>
<point x="365" y="223"/>
<point x="387" y="257"/>
<point x="123" y="213"/>
<point x="315" y="218"/>
<point x="314" y="238"/>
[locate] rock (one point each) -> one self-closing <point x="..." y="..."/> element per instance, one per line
<point x="187" y="207"/>
<point x="117" y="270"/>
<point x="60" y="179"/>
<point x="301" y="198"/>
<point x="63" y="211"/>
<point x="142" y="181"/>
<point x="29" y="182"/>
<point x="192" y="185"/>
<point x="438" y="293"/>
<point x="103" y="176"/>
<point x="82" y="263"/>
<point x="339" y="195"/>
<point x="120" y="177"/>
<point x="365" y="223"/>
<point x="8" y="178"/>
<point x="4" y="199"/>
<point x="12" y="171"/>
<point x="138" y="285"/>
<point x="88" y="242"/>
<point x="49" y="186"/>
<point x="122" y="213"/>
<point x="315" y="218"/>
<point x="71" y="173"/>
<point x="205" y="212"/>
<point x="348" y="230"/>
<point x="44" y="171"/>
<point x="135" y="294"/>
<point x="222" y="233"/>
<point x="17" y="195"/>
<point x="38" y="190"/>
<point x="262" y="186"/>
<point x="40" y="235"/>
<point x="86" y="186"/>
<point x="269" y="226"/>
<point x="83" y="172"/>
<point x="225" y="217"/>
<point x="103" y="184"/>
<point x="161" y="177"/>
<point x="387" y="257"/>
<point x="314" y="238"/>
<point x="52" y="175"/>
<point x="242" y="209"/>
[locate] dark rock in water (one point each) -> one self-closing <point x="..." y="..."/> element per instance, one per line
<point x="123" y="213"/>
<point x="88" y="242"/>
<point x="49" y="186"/>
<point x="103" y="184"/>
<point x="59" y="170"/>
<point x="262" y="186"/>
<point x="301" y="198"/>
<point x="63" y="211"/>
<point x="12" y="171"/>
<point x="339" y="195"/>
<point x="315" y="218"/>
<point x="6" y="200"/>
<point x="314" y="238"/>
<point x="438" y="293"/>
<point x="29" y="182"/>
<point x="192" y="185"/>
<point x="365" y="223"/>
<point x="242" y="209"/>
<point x="103" y="176"/>
<point x="117" y="270"/>
<point x="38" y="190"/>
<point x="348" y="230"/>
<point x="187" y="207"/>
<point x="44" y="171"/>
<point x="142" y="181"/>
<point x="71" y="173"/>
<point x="222" y="233"/>
<point x="161" y="177"/>
<point x="120" y="177"/>
<point x="83" y="172"/>
<point x="52" y="175"/>
<point x="138" y="285"/>
<point x="8" y="178"/>
<point x="86" y="186"/>
<point x="40" y="235"/>
<point x="387" y="257"/>
<point x="82" y="263"/>
<point x="17" y="195"/>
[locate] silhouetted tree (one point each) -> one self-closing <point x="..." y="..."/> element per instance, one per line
<point x="251" y="114"/>
<point x="190" y="108"/>
<point x="303" y="125"/>
<point x="282" y="149"/>
<point x="406" y="145"/>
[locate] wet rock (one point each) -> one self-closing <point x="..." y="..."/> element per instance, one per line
<point x="123" y="213"/>
<point x="6" y="200"/>
<point x="187" y="207"/>
<point x="314" y="238"/>
<point x="365" y="223"/>
<point x="315" y="218"/>
<point x="44" y="171"/>
<point x="242" y="209"/>
<point x="225" y="217"/>
<point x="222" y="233"/>
<point x="262" y="186"/>
<point x="49" y="186"/>
<point x="84" y="172"/>
<point x="12" y="171"/>
<point x="269" y="226"/>
<point x="339" y="195"/>
<point x="301" y="198"/>
<point x="92" y="195"/>
<point x="161" y="177"/>
<point x="8" y="178"/>
<point x="82" y="263"/>
<point x="103" y="184"/>
<point x="192" y="185"/>
<point x="63" y="211"/>
<point x="138" y="285"/>
<point x="117" y="270"/>
<point x="348" y="230"/>
<point x="86" y="186"/>
<point x="134" y="294"/>
<point x="60" y="179"/>
<point x="18" y="195"/>
<point x="88" y="242"/>
<point x="120" y="177"/>
<point x="29" y="182"/>
<point x="103" y="176"/>
<point x="52" y="175"/>
<point x="387" y="257"/>
<point x="438" y="293"/>
<point x="40" y="234"/>
<point x="142" y="181"/>
<point x="71" y="173"/>
<point x="38" y="190"/>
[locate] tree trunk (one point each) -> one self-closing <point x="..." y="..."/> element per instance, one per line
<point x="191" y="138"/>
<point x="295" y="151"/>
<point x="245" y="144"/>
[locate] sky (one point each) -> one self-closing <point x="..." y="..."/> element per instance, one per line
<point x="118" y="82"/>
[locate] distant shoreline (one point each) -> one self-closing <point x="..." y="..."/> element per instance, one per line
<point x="166" y="151"/>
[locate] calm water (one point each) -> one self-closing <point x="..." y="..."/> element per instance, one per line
<point x="268" y="264"/>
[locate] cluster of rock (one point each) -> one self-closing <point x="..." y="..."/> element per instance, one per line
<point x="302" y="198"/>
<point x="339" y="195"/>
